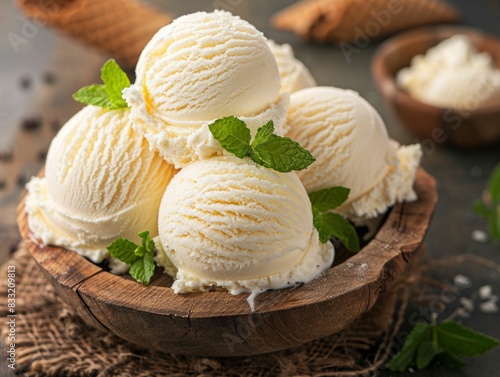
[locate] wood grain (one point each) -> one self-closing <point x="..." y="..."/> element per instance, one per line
<point x="220" y="324"/>
<point x="468" y="128"/>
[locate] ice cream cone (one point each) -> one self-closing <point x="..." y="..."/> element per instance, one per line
<point x="346" y="20"/>
<point x="120" y="27"/>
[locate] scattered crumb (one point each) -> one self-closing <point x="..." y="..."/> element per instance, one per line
<point x="349" y="265"/>
<point x="479" y="236"/>
<point x="364" y="266"/>
<point x="489" y="307"/>
<point x="463" y="313"/>
<point x="462" y="281"/>
<point x="476" y="171"/>
<point x="411" y="370"/>
<point x="485" y="292"/>
<point x="467" y="304"/>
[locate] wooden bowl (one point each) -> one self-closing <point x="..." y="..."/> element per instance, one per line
<point x="220" y="324"/>
<point x="463" y="129"/>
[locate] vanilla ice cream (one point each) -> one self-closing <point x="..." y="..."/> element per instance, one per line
<point x="294" y="74"/>
<point x="453" y="75"/>
<point x="231" y="223"/>
<point x="201" y="67"/>
<point x="352" y="149"/>
<point x="101" y="183"/>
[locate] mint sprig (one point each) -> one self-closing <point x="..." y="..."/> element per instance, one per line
<point x="489" y="205"/>
<point x="331" y="224"/>
<point x="233" y="135"/>
<point x="267" y="149"/>
<point x="138" y="257"/>
<point x="109" y="94"/>
<point x="444" y="342"/>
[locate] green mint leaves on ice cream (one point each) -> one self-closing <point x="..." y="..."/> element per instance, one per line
<point x="109" y="94"/>
<point x="285" y="155"/>
<point x="138" y="257"/>
<point x="269" y="150"/>
<point x="332" y="224"/>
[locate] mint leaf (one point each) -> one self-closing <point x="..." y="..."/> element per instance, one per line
<point x="462" y="341"/>
<point x="404" y="359"/>
<point x="140" y="251"/>
<point x="494" y="185"/>
<point x="124" y="250"/>
<point x="115" y="80"/>
<point x="138" y="257"/>
<point x="494" y="224"/>
<point x="328" y="223"/>
<point x="143" y="269"/>
<point x="321" y="226"/>
<point x="343" y="230"/>
<point x="331" y="224"/>
<point x="481" y="209"/>
<point x="450" y="360"/>
<point x="426" y="353"/>
<point x="282" y="154"/>
<point x="489" y="205"/>
<point x="147" y="243"/>
<point x="94" y="94"/>
<point x="233" y="135"/>
<point x="330" y="198"/>
<point x="444" y="342"/>
<point x="109" y="95"/>
<point x="263" y="133"/>
<point x="271" y="151"/>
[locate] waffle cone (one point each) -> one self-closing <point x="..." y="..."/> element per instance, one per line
<point x="344" y="20"/>
<point x="120" y="27"/>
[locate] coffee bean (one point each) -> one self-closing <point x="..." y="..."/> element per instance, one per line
<point x="6" y="155"/>
<point x="25" y="82"/>
<point x="49" y="78"/>
<point x="31" y="124"/>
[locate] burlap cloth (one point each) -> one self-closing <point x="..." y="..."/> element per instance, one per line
<point x="53" y="341"/>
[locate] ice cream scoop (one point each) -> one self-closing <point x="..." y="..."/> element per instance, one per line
<point x="294" y="74"/>
<point x="101" y="183"/>
<point x="352" y="149"/>
<point x="453" y="74"/>
<point x="231" y="223"/>
<point x="201" y="67"/>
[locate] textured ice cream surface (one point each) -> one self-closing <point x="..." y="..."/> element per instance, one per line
<point x="101" y="183"/>
<point x="202" y="67"/>
<point x="453" y="74"/>
<point x="294" y="74"/>
<point x="231" y="223"/>
<point x="352" y="149"/>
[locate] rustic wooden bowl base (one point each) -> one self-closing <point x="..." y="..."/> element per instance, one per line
<point x="220" y="324"/>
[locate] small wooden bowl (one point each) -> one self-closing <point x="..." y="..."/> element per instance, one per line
<point x="220" y="324"/>
<point x="463" y="129"/>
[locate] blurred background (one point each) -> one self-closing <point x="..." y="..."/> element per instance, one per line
<point x="40" y="68"/>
